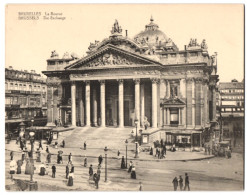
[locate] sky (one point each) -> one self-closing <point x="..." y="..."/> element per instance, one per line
<point x="29" y="42"/>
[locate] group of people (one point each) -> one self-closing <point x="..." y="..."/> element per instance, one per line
<point x="132" y="170"/>
<point x="182" y="185"/>
<point x="95" y="176"/>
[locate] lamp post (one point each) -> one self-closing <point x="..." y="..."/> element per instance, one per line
<point x="31" y="160"/>
<point x="136" y="154"/>
<point x="105" y="163"/>
<point x="126" y="142"/>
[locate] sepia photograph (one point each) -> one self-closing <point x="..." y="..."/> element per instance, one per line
<point x="124" y="97"/>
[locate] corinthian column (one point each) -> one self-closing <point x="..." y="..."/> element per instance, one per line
<point x="102" y="103"/>
<point x="73" y="103"/>
<point x="193" y="103"/>
<point x="95" y="114"/>
<point x="87" y="91"/>
<point x="137" y="101"/>
<point x="121" y="102"/>
<point x="154" y="103"/>
<point x="142" y="105"/>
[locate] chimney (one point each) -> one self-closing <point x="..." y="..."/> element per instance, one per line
<point x="126" y="31"/>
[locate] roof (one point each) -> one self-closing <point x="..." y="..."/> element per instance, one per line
<point x="231" y="85"/>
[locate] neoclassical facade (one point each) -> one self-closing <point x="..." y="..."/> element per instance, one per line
<point x="146" y="78"/>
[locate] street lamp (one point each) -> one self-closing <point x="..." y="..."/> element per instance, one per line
<point x="31" y="134"/>
<point x="126" y="142"/>
<point x="105" y="163"/>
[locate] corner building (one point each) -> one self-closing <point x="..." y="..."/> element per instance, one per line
<point x="122" y="80"/>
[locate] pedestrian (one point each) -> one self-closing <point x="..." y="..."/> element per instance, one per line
<point x="180" y="181"/>
<point x="53" y="171"/>
<point x="27" y="168"/>
<point x="96" y="180"/>
<point x="67" y="171"/>
<point x="72" y="169"/>
<point x="21" y="145"/>
<point x="11" y="155"/>
<point x="98" y="173"/>
<point x="23" y="156"/>
<point x="48" y="158"/>
<point x="19" y="164"/>
<point x="118" y="153"/>
<point x="85" y="161"/>
<point x="122" y="163"/>
<point x="70" y="180"/>
<point x="42" y="169"/>
<point x="85" y="145"/>
<point x="140" y="188"/>
<point x="38" y="155"/>
<point x="91" y="170"/>
<point x="151" y="151"/>
<point x="56" y="145"/>
<point x="130" y="166"/>
<point x="40" y="144"/>
<point x="165" y="149"/>
<point x="157" y="150"/>
<point x="209" y="149"/>
<point x="63" y="144"/>
<point x="100" y="159"/>
<point x="187" y="183"/>
<point x="47" y="169"/>
<point x="12" y="168"/>
<point x="205" y="148"/>
<point x="158" y="153"/>
<point x="70" y="158"/>
<point x="133" y="173"/>
<point x="47" y="149"/>
<point x="56" y="122"/>
<point x="175" y="183"/>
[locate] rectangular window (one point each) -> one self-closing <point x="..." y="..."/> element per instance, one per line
<point x="174" y="116"/>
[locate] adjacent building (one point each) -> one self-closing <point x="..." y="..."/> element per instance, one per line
<point x="125" y="81"/>
<point x="230" y="112"/>
<point x="25" y="98"/>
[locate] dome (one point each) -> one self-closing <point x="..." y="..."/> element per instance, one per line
<point x="152" y="36"/>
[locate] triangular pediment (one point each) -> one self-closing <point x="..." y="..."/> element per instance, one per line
<point x="173" y="101"/>
<point x="111" y="56"/>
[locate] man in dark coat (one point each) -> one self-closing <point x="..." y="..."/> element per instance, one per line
<point x="100" y="159"/>
<point x="181" y="183"/>
<point x="63" y="144"/>
<point x="123" y="163"/>
<point x="187" y="182"/>
<point x="67" y="171"/>
<point x="98" y="173"/>
<point x="175" y="183"/>
<point x="53" y="171"/>
<point x="47" y="149"/>
<point x="85" y="145"/>
<point x="40" y="144"/>
<point x="11" y="155"/>
<point x="96" y="180"/>
<point x="48" y="158"/>
<point x="91" y="170"/>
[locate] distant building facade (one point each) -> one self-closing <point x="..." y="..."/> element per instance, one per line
<point x="25" y="98"/>
<point x="146" y="78"/>
<point x="230" y="112"/>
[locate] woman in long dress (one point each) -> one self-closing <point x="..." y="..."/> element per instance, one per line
<point x="133" y="173"/>
<point x="130" y="166"/>
<point x="71" y="179"/>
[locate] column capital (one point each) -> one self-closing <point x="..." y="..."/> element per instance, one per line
<point x="137" y="81"/>
<point x="102" y="82"/>
<point x="198" y="80"/>
<point x="72" y="82"/>
<point x="190" y="80"/>
<point x="155" y="80"/>
<point x="120" y="81"/>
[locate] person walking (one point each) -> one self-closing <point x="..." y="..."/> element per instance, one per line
<point x="23" y="156"/>
<point x="100" y="159"/>
<point x="47" y="149"/>
<point x="123" y="163"/>
<point x="96" y="180"/>
<point x="71" y="179"/>
<point x="53" y="171"/>
<point x="118" y="153"/>
<point x="85" y="161"/>
<point x="63" y="144"/>
<point x="98" y="173"/>
<point x="48" y="158"/>
<point x="38" y="155"/>
<point x="180" y="181"/>
<point x="140" y="188"/>
<point x="42" y="169"/>
<point x="175" y="183"/>
<point x="12" y="168"/>
<point x="21" y="145"/>
<point x="85" y="145"/>
<point x="11" y="155"/>
<point x="133" y="173"/>
<point x="130" y="166"/>
<point x="70" y="158"/>
<point x="187" y="182"/>
<point x="90" y="170"/>
<point x="40" y="144"/>
<point x="19" y="164"/>
<point x="151" y="151"/>
<point x="67" y="171"/>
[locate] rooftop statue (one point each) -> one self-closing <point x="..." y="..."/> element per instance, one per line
<point x="204" y="45"/>
<point x="116" y="28"/>
<point x="193" y="43"/>
<point x="54" y="54"/>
